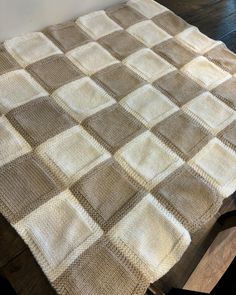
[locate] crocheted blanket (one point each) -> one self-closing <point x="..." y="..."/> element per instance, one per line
<point x="118" y="139"/>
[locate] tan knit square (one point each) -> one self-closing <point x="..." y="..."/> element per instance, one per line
<point x="67" y="36"/>
<point x="187" y="142"/>
<point x="61" y="216"/>
<point x="39" y="120"/>
<point x="124" y="15"/>
<point x="122" y="127"/>
<point x="174" y="52"/>
<point x="151" y="166"/>
<point x="116" y="275"/>
<point x="71" y="154"/>
<point x="54" y="72"/>
<point x="120" y="44"/>
<point x="25" y="184"/>
<point x="148" y="8"/>
<point x="7" y="62"/>
<point x="228" y="135"/>
<point x="170" y="22"/>
<point x="105" y="191"/>
<point x="213" y="163"/>
<point x="226" y="92"/>
<point x="189" y="197"/>
<point x="223" y="57"/>
<point x="178" y="87"/>
<point x="12" y="144"/>
<point x="118" y="80"/>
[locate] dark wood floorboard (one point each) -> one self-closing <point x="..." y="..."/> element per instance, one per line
<point x="215" y="18"/>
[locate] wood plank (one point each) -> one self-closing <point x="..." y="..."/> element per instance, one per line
<point x="25" y="276"/>
<point x="214" y="263"/>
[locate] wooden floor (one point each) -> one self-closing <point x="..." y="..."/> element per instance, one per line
<point x="215" y="18"/>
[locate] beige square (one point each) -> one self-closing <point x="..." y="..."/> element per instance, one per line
<point x="217" y="163"/>
<point x="72" y="153"/>
<point x="148" y="33"/>
<point x="12" y="144"/>
<point x="155" y="253"/>
<point x="43" y="229"/>
<point x="18" y="87"/>
<point x="148" y="65"/>
<point x="153" y="164"/>
<point x="205" y="73"/>
<point x="91" y="58"/>
<point x="196" y="41"/>
<point x="97" y="24"/>
<point x="31" y="47"/>
<point x="82" y="98"/>
<point x="211" y="112"/>
<point x="148" y="105"/>
<point x="148" y="8"/>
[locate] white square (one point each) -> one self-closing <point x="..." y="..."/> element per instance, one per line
<point x="72" y="153"/>
<point x="196" y="41"/>
<point x="148" y="8"/>
<point x="16" y="88"/>
<point x="82" y="98"/>
<point x="58" y="232"/>
<point x="31" y="47"/>
<point x="205" y="73"/>
<point x="217" y="163"/>
<point x="155" y="253"/>
<point x="148" y="105"/>
<point x="97" y="24"/>
<point x="212" y="113"/>
<point x="148" y="33"/>
<point x="148" y="65"/>
<point x="148" y="160"/>
<point x="91" y="58"/>
<point x="12" y="144"/>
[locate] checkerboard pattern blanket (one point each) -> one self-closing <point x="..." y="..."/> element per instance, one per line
<point x="118" y="139"/>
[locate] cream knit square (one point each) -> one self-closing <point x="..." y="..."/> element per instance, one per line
<point x="155" y="253"/>
<point x="72" y="153"/>
<point x="196" y="41"/>
<point x="148" y="33"/>
<point x="217" y="163"/>
<point x="205" y="73"/>
<point x="31" y="47"/>
<point x="148" y="65"/>
<point x="82" y="98"/>
<point x="147" y="159"/>
<point x="58" y="232"/>
<point x="211" y="112"/>
<point x="91" y="57"/>
<point x="148" y="105"/>
<point x="18" y="87"/>
<point x="97" y="24"/>
<point x="148" y="8"/>
<point x="12" y="144"/>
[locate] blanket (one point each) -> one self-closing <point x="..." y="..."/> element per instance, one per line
<point x="117" y="142"/>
